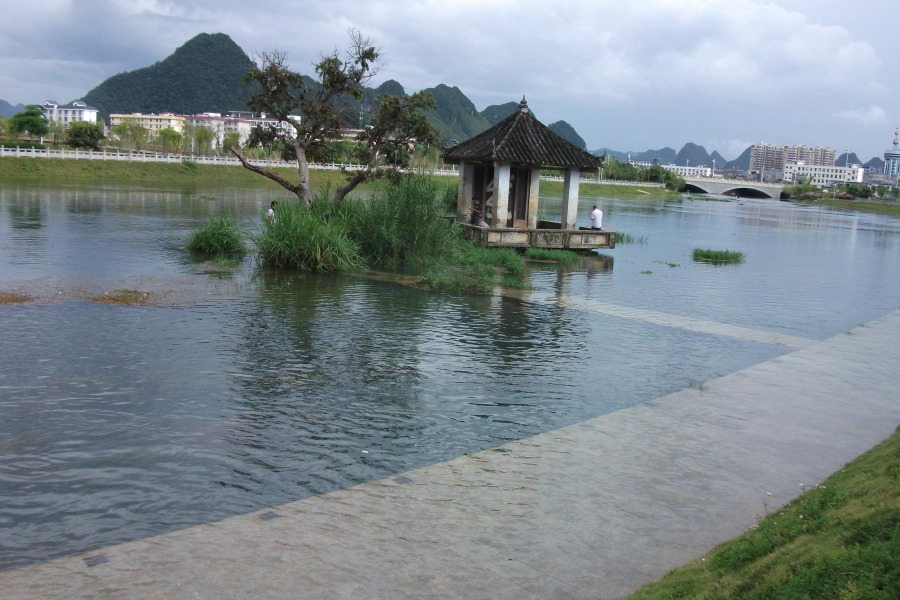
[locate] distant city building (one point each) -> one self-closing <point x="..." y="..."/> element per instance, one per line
<point x="262" y="119"/>
<point x="823" y="175"/>
<point x="765" y="157"/>
<point x="892" y="160"/>
<point x="222" y="126"/>
<point x="152" y="123"/>
<point x="69" y="113"/>
<point x="700" y="171"/>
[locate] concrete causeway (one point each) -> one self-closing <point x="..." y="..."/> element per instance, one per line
<point x="593" y="510"/>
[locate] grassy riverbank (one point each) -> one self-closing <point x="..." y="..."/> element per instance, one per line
<point x="838" y="540"/>
<point x="167" y="173"/>
<point x="555" y="188"/>
<point x="177" y="173"/>
<point x="874" y="207"/>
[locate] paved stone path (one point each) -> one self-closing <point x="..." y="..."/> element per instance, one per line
<point x="592" y="510"/>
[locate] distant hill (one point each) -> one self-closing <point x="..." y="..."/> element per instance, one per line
<point x="721" y="161"/>
<point x="8" y="110"/>
<point x="665" y="155"/>
<point x="842" y="160"/>
<point x="568" y="133"/>
<point x="875" y="163"/>
<point x="692" y="154"/>
<point x="689" y="152"/>
<point x="456" y="116"/>
<point x="495" y="113"/>
<point x="742" y="162"/>
<point x="203" y="75"/>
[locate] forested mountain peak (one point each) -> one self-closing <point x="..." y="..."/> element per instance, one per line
<point x="203" y="75"/>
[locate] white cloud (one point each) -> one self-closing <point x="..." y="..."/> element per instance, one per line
<point x="874" y="115"/>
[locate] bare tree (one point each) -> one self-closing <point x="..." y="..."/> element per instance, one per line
<point x="397" y="123"/>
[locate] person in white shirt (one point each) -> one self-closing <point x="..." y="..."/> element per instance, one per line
<point x="596" y="218"/>
<point x="270" y="214"/>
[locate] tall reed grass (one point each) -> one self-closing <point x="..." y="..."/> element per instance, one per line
<point x="311" y="239"/>
<point x="404" y="222"/>
<point x="220" y="237"/>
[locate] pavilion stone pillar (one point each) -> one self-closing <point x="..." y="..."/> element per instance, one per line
<point x="534" y="189"/>
<point x="570" y="198"/>
<point x="465" y="193"/>
<point x="501" y="194"/>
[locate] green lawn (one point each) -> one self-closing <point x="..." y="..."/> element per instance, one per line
<point x="885" y="209"/>
<point x="839" y="541"/>
<point x="167" y="173"/>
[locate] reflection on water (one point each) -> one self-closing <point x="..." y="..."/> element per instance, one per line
<point x="123" y="422"/>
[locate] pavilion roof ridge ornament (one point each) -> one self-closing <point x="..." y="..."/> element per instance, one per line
<point x="523" y="105"/>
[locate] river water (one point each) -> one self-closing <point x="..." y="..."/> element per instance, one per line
<point x="241" y="389"/>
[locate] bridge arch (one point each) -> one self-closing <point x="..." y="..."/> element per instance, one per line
<point x="694" y="188"/>
<point x="749" y="192"/>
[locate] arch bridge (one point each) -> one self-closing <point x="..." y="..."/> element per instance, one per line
<point x="740" y="187"/>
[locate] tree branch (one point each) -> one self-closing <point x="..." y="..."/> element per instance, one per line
<point x="265" y="172"/>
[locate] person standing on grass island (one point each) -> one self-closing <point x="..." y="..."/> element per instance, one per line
<point x="270" y="214"/>
<point x="596" y="218"/>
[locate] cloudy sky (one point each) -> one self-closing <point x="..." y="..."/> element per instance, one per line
<point x="626" y="74"/>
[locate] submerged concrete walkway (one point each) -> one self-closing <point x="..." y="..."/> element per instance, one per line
<point x="659" y="318"/>
<point x="593" y="510"/>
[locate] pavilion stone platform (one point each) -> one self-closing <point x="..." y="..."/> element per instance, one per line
<point x="499" y="186"/>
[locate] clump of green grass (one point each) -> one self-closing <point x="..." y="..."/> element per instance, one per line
<point x="646" y="272"/>
<point x="516" y="282"/>
<point x="311" y="239"/>
<point x="220" y="237"/>
<point x="552" y="255"/>
<point x="480" y="279"/>
<point x="476" y="270"/>
<point x="124" y="298"/>
<point x="840" y="539"/>
<point x="718" y="257"/>
<point x="476" y="256"/>
<point x="627" y="238"/>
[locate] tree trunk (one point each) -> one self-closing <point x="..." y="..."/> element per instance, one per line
<point x="341" y="192"/>
<point x="303" y="192"/>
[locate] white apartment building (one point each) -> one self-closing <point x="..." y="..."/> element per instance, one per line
<point x="692" y="172"/>
<point x="765" y="156"/>
<point x="823" y="175"/>
<point x="69" y="113"/>
<point x="254" y="120"/>
<point x="152" y="123"/>
<point x="221" y="126"/>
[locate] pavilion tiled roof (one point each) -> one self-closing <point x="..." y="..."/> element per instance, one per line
<point x="522" y="139"/>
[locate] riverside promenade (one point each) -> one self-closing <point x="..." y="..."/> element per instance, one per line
<point x="593" y="510"/>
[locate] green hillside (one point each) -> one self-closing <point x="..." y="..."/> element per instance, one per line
<point x="497" y="112"/>
<point x="456" y="116"/>
<point x="568" y="133"/>
<point x="203" y="75"/>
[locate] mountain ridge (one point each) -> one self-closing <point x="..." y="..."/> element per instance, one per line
<point x="8" y="110"/>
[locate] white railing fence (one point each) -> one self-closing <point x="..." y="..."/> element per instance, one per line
<point x="160" y="157"/>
